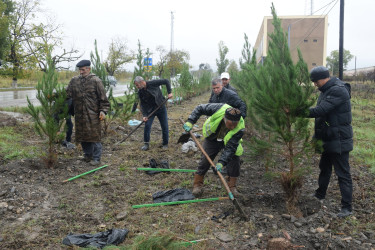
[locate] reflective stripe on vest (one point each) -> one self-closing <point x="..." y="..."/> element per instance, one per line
<point x="211" y="124"/>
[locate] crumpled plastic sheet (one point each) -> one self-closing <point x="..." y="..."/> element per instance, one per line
<point x="187" y="146"/>
<point x="102" y="239"/>
<point x="134" y="122"/>
<point x="177" y="194"/>
<point x="155" y="164"/>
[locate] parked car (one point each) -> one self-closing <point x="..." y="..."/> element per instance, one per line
<point x="112" y="80"/>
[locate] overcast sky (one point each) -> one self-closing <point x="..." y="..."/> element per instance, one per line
<point x="199" y="25"/>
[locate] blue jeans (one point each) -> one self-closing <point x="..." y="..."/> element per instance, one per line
<point x="163" y="119"/>
<point x="92" y="150"/>
<point x="340" y="163"/>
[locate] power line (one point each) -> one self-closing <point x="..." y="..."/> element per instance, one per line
<point x="315" y="25"/>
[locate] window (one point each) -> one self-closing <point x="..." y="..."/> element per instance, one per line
<point x="313" y="64"/>
<point x="315" y="40"/>
<point x="305" y="41"/>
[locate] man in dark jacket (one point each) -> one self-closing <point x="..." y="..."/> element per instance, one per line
<point x="333" y="117"/>
<point x="223" y="130"/>
<point x="223" y="95"/>
<point x="90" y="107"/>
<point x="151" y="98"/>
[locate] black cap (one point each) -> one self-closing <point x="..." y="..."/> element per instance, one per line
<point x="83" y="63"/>
<point x="233" y="114"/>
<point x="318" y="73"/>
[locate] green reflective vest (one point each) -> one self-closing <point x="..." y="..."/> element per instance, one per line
<point x="211" y="124"/>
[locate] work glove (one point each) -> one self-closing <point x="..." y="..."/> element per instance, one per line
<point x="102" y="115"/>
<point x="219" y="167"/>
<point x="188" y="126"/>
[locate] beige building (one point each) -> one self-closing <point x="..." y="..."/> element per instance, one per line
<point x="308" y="33"/>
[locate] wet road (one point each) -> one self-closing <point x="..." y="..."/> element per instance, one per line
<point x="18" y="97"/>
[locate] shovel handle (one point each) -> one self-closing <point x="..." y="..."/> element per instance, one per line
<point x="211" y="162"/>
<point x="152" y="113"/>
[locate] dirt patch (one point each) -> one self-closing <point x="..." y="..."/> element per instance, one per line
<point x="38" y="210"/>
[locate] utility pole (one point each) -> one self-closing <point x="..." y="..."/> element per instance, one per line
<point x="341" y="41"/>
<point x="172" y="42"/>
<point x="172" y="33"/>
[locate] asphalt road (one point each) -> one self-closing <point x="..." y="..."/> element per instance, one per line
<point x="18" y="98"/>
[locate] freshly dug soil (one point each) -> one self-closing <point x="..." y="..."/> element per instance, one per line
<point x="38" y="210"/>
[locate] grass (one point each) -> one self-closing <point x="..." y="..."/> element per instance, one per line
<point x="363" y="126"/>
<point x="12" y="145"/>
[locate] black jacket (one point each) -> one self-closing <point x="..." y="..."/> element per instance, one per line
<point x="228" y="86"/>
<point x="230" y="148"/>
<point x="153" y="97"/>
<point x="231" y="98"/>
<point x="333" y="117"/>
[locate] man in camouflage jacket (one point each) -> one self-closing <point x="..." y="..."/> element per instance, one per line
<point x="90" y="107"/>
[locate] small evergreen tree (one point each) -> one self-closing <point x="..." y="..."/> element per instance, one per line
<point x="49" y="117"/>
<point x="281" y="94"/>
<point x="119" y="108"/>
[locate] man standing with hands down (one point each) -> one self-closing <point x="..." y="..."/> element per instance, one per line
<point x="151" y="98"/>
<point x="333" y="117"/>
<point x="223" y="130"/>
<point x="90" y="107"/>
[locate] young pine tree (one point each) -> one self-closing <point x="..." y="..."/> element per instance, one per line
<point x="119" y="108"/>
<point x="281" y="94"/>
<point x="52" y="106"/>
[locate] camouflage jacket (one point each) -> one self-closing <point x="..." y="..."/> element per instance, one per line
<point x="89" y="98"/>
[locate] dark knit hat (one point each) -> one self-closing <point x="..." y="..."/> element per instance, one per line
<point x="318" y="73"/>
<point x="233" y="114"/>
<point x="83" y="63"/>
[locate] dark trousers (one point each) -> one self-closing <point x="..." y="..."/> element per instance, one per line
<point x="212" y="148"/>
<point x="69" y="129"/>
<point x="92" y="150"/>
<point x="163" y="119"/>
<point x="340" y="163"/>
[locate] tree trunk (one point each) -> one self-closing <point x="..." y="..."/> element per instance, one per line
<point x="14" y="83"/>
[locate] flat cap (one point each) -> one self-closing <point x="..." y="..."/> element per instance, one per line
<point x="83" y="63"/>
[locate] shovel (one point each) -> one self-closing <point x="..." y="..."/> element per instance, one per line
<point x="234" y="200"/>
<point x="186" y="136"/>
<point x="153" y="112"/>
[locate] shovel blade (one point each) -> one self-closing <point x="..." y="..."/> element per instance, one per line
<point x="184" y="138"/>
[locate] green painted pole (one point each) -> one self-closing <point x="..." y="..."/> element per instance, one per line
<point x="167" y="169"/>
<point x="80" y="175"/>
<point x="191" y="242"/>
<point x="179" y="202"/>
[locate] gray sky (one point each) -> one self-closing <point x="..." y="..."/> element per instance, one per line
<point x="200" y="25"/>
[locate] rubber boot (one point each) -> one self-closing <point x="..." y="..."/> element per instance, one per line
<point x="198" y="185"/>
<point x="232" y="186"/>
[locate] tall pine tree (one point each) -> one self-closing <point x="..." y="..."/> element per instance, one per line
<point x="281" y="94"/>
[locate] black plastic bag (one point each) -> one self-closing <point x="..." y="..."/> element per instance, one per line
<point x="102" y="239"/>
<point x="178" y="194"/>
<point x="155" y="164"/>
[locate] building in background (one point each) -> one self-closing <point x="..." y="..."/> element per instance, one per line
<point x="308" y="33"/>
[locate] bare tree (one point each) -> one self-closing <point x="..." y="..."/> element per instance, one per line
<point x="118" y="55"/>
<point x="163" y="57"/>
<point x="48" y="36"/>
